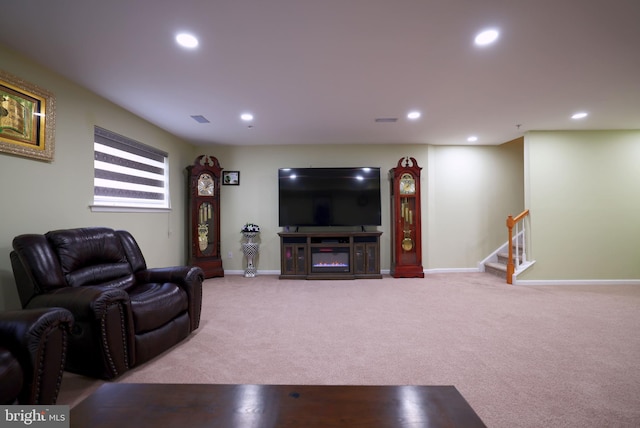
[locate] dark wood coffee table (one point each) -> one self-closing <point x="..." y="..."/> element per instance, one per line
<point x="198" y="405"/>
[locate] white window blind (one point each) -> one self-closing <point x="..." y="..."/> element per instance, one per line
<point x="128" y="173"/>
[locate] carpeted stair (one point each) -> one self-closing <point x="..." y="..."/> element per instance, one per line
<point x="499" y="267"/>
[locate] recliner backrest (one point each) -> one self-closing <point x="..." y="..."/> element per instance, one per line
<point x="91" y="256"/>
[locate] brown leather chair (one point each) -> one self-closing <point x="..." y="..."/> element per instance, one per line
<point x="33" y="346"/>
<point x="125" y="314"/>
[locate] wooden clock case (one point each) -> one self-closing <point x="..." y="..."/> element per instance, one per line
<point x="406" y="223"/>
<point x="203" y="213"/>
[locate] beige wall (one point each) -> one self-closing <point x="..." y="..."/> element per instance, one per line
<point x="37" y="196"/>
<point x="582" y="189"/>
<point x="467" y="194"/>
<point x="471" y="191"/>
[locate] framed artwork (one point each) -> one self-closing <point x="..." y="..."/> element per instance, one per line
<point x="231" y="178"/>
<point x="27" y="119"/>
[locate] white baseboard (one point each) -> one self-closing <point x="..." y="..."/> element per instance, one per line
<point x="451" y="270"/>
<point x="577" y="282"/>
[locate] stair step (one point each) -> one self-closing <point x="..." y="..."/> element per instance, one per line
<point x="498" y="266"/>
<point x="498" y="269"/>
<point x="503" y="257"/>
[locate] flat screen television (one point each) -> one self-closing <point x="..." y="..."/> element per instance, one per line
<point x="329" y="197"/>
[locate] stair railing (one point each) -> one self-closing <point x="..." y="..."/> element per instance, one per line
<point x="519" y="227"/>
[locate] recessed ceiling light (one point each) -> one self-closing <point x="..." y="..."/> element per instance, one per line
<point x="472" y="139"/>
<point x="187" y="40"/>
<point x="486" y="37"/>
<point x="580" y="115"/>
<point x="247" y="117"/>
<point x="413" y="115"/>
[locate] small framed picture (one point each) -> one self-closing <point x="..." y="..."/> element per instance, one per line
<point x="231" y="178"/>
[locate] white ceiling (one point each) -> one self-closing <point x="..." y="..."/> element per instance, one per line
<point x="320" y="72"/>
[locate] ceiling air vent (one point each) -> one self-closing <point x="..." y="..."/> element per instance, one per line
<point x="200" y="119"/>
<point x="386" y="120"/>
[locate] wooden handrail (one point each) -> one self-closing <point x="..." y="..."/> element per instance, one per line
<point x="511" y="222"/>
<point x="517" y="218"/>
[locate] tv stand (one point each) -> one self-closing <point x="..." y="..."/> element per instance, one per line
<point x="329" y="255"/>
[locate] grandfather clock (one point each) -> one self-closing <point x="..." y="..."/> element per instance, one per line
<point x="204" y="215"/>
<point x="406" y="230"/>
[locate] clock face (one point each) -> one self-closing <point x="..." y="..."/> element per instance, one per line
<point x="407" y="185"/>
<point x="205" y="185"/>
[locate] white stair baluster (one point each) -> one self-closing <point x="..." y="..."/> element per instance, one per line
<point x="524" y="242"/>
<point x="517" y="260"/>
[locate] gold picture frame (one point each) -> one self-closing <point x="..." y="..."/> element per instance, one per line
<point x="27" y="119"/>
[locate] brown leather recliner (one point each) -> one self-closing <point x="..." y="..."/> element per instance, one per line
<point x="125" y="314"/>
<point x="33" y="346"/>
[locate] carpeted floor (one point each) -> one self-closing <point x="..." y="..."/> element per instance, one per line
<point x="544" y="356"/>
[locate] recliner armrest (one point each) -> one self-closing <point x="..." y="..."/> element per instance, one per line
<point x="86" y="303"/>
<point x="22" y="331"/>
<point x="181" y="275"/>
<point x="37" y="338"/>
<point x="189" y="278"/>
<point x="103" y="328"/>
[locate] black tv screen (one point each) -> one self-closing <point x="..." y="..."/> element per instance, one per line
<point x="329" y="196"/>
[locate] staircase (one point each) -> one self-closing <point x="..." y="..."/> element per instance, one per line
<point x="498" y="264"/>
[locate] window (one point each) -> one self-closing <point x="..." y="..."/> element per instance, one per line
<point x="128" y="174"/>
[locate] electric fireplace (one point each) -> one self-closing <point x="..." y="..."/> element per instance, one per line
<point x="330" y="259"/>
<point x="330" y="255"/>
